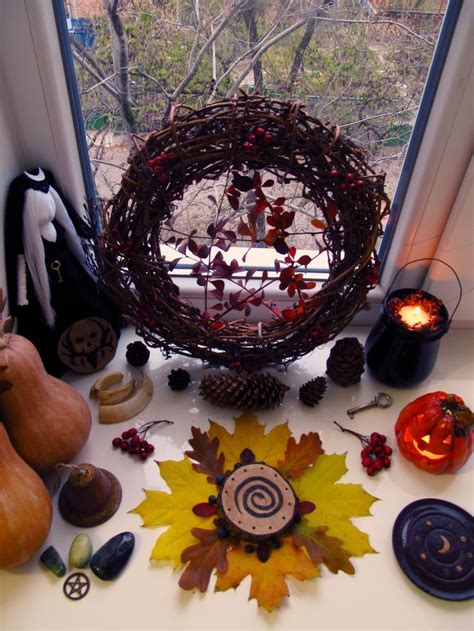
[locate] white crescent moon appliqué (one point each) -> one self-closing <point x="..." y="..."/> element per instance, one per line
<point x="446" y="547"/>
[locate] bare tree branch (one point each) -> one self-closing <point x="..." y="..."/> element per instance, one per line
<point x="300" y="51"/>
<point x="238" y="6"/>
<point x="120" y="60"/>
<point x="249" y="18"/>
<point x="376" y="23"/>
<point x="383" y="115"/>
<point x="93" y="72"/>
<point x="260" y="52"/>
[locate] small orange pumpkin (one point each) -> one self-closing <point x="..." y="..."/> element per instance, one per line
<point x="435" y="432"/>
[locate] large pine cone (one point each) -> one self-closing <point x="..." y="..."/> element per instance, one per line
<point x="346" y="362"/>
<point x="313" y="391"/>
<point x="258" y="391"/>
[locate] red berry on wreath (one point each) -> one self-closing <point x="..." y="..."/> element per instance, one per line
<point x="260" y="131"/>
<point x="334" y="173"/>
<point x="247" y="146"/>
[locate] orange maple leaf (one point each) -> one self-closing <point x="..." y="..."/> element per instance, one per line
<point x="268" y="585"/>
<point x="300" y="456"/>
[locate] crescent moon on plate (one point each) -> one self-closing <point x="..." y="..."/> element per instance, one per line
<point x="446" y="547"/>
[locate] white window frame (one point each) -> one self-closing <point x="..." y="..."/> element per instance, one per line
<point x="37" y="107"/>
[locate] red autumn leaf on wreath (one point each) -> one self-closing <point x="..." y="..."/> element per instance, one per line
<point x="233" y="201"/>
<point x="317" y="223"/>
<point x="216" y="325"/>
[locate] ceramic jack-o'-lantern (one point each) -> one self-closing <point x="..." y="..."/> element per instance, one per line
<point x="435" y="432"/>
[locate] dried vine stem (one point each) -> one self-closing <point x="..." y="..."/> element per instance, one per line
<point x="207" y="144"/>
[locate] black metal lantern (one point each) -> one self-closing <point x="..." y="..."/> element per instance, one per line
<point x="402" y="348"/>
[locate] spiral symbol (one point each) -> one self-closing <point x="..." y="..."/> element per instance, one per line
<point x="257" y="500"/>
<point x="258" y="497"/>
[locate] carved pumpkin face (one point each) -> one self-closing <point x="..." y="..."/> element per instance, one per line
<point x="435" y="432"/>
<point x="87" y="345"/>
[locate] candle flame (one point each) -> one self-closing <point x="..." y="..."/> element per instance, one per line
<point x="414" y="316"/>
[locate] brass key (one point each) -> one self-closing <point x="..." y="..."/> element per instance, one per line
<point x="381" y="400"/>
<point x="56" y="267"/>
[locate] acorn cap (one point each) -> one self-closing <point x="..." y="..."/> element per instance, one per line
<point x="90" y="496"/>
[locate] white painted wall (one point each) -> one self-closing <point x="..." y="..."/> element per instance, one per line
<point x="36" y="127"/>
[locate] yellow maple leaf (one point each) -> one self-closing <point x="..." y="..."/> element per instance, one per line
<point x="175" y="509"/>
<point x="249" y="433"/>
<point x="268" y="585"/>
<point x="335" y="503"/>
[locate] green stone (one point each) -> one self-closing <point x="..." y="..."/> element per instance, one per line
<point x="53" y="562"/>
<point x="81" y="551"/>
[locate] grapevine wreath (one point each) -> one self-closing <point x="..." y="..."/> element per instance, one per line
<point x="250" y="145"/>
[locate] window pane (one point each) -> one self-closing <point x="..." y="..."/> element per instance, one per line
<point x="360" y="64"/>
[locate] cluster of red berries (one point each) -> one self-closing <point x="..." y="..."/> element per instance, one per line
<point x="133" y="440"/>
<point x="159" y="165"/>
<point x="375" y="456"/>
<point x="348" y="181"/>
<point x="257" y="140"/>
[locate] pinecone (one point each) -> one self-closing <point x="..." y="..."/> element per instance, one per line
<point x="179" y="379"/>
<point x="346" y="362"/>
<point x="137" y="354"/>
<point x="258" y="391"/>
<point x="313" y="391"/>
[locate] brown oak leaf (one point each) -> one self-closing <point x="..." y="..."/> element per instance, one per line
<point x="323" y="549"/>
<point x="204" y="452"/>
<point x="202" y="558"/>
<point x="300" y="456"/>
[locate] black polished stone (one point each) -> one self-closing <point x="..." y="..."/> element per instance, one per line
<point x="112" y="557"/>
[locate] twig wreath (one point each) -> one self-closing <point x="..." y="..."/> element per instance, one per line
<point x="249" y="142"/>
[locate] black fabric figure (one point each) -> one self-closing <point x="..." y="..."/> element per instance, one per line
<point x="50" y="287"/>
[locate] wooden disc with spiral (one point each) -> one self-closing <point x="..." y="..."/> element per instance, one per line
<point x="257" y="501"/>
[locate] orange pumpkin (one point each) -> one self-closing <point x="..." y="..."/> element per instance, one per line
<point x="48" y="422"/>
<point x="25" y="507"/>
<point x="435" y="432"/>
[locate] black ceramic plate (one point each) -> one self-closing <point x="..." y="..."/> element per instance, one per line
<point x="433" y="541"/>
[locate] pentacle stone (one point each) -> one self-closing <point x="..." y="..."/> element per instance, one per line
<point x="257" y="501"/>
<point x="112" y="557"/>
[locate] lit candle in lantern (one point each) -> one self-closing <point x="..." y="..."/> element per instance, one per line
<point x="402" y="347"/>
<point x="414" y="316"/>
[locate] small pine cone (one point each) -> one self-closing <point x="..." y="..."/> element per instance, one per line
<point x="179" y="379"/>
<point x="137" y="354"/>
<point x="258" y="391"/>
<point x="346" y="362"/>
<point x="313" y="391"/>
